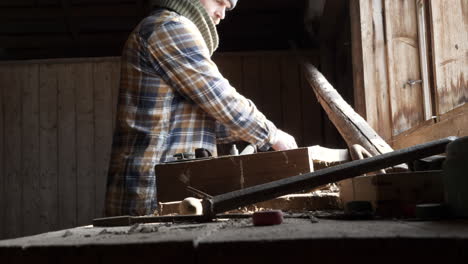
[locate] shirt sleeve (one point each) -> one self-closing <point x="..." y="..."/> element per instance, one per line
<point x="182" y="56"/>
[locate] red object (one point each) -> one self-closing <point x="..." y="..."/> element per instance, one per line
<point x="263" y="218"/>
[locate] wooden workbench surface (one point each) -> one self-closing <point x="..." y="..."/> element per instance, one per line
<point x="236" y="241"/>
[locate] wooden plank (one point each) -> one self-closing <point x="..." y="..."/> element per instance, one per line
<point x="231" y="68"/>
<point x="403" y="65"/>
<point x="251" y="82"/>
<point x="424" y="57"/>
<point x="291" y="97"/>
<point x="103" y="86"/>
<point x="3" y="76"/>
<point x="352" y="127"/>
<point x="228" y="173"/>
<point x="115" y="81"/>
<point x="48" y="148"/>
<point x="85" y="143"/>
<point x="67" y="135"/>
<point x="270" y="79"/>
<point x="453" y="123"/>
<point x="371" y="97"/>
<point x="12" y="161"/>
<point x="450" y="53"/>
<point x="30" y="148"/>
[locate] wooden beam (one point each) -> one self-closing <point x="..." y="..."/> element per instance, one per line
<point x="453" y="123"/>
<point x="352" y="127"/>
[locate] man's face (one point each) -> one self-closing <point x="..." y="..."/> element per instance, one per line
<point x="216" y="9"/>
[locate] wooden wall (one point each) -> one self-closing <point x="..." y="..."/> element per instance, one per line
<point x="56" y="120"/>
<point x="57" y="125"/>
<point x="409" y="60"/>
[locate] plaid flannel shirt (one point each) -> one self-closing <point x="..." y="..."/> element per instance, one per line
<point x="172" y="99"/>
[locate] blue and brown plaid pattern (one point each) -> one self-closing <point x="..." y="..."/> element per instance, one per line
<point x="172" y="99"/>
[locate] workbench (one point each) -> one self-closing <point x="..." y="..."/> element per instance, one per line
<point x="238" y="241"/>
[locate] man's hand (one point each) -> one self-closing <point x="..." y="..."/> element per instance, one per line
<point x="284" y="141"/>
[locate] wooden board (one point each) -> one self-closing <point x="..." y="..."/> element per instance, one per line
<point x="453" y="123"/>
<point x="12" y="159"/>
<point x="371" y="98"/>
<point x="85" y="143"/>
<point x="3" y="76"/>
<point x="103" y="73"/>
<point x="30" y="147"/>
<point x="270" y="78"/>
<point x="48" y="88"/>
<point x="251" y="81"/>
<point x="403" y="62"/>
<point x="311" y="112"/>
<point x="231" y="68"/>
<point x="291" y="97"/>
<point x="450" y="53"/>
<point x="115" y="81"/>
<point x="224" y="174"/>
<point x="67" y="147"/>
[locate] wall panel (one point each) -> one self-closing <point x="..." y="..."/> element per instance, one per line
<point x="450" y="51"/>
<point x="67" y="196"/>
<point x="85" y="158"/>
<point x="48" y="144"/>
<point x="403" y="65"/>
<point x="12" y="148"/>
<point x="3" y="76"/>
<point x="30" y="147"/>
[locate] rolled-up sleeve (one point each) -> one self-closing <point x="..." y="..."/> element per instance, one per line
<point x="184" y="60"/>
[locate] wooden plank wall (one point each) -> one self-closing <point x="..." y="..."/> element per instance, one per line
<point x="387" y="56"/>
<point x="450" y="29"/>
<point x="57" y="128"/>
<point x="56" y="122"/>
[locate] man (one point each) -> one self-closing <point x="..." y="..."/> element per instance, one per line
<point x="173" y="99"/>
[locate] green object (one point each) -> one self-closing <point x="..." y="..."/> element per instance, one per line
<point x="456" y="177"/>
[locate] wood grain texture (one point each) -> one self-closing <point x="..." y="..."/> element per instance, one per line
<point x="371" y="98"/>
<point x="453" y="123"/>
<point x="3" y="76"/>
<point x="450" y="48"/>
<point x="30" y="148"/>
<point x="251" y="69"/>
<point x="291" y="97"/>
<point x="224" y="174"/>
<point x="115" y="81"/>
<point x="231" y="68"/>
<point x="49" y="160"/>
<point x="67" y="135"/>
<point x="352" y="127"/>
<point x="103" y="87"/>
<point x="85" y="156"/>
<point x="13" y="169"/>
<point x="401" y="25"/>
<point x="270" y="78"/>
<point x="312" y="113"/>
